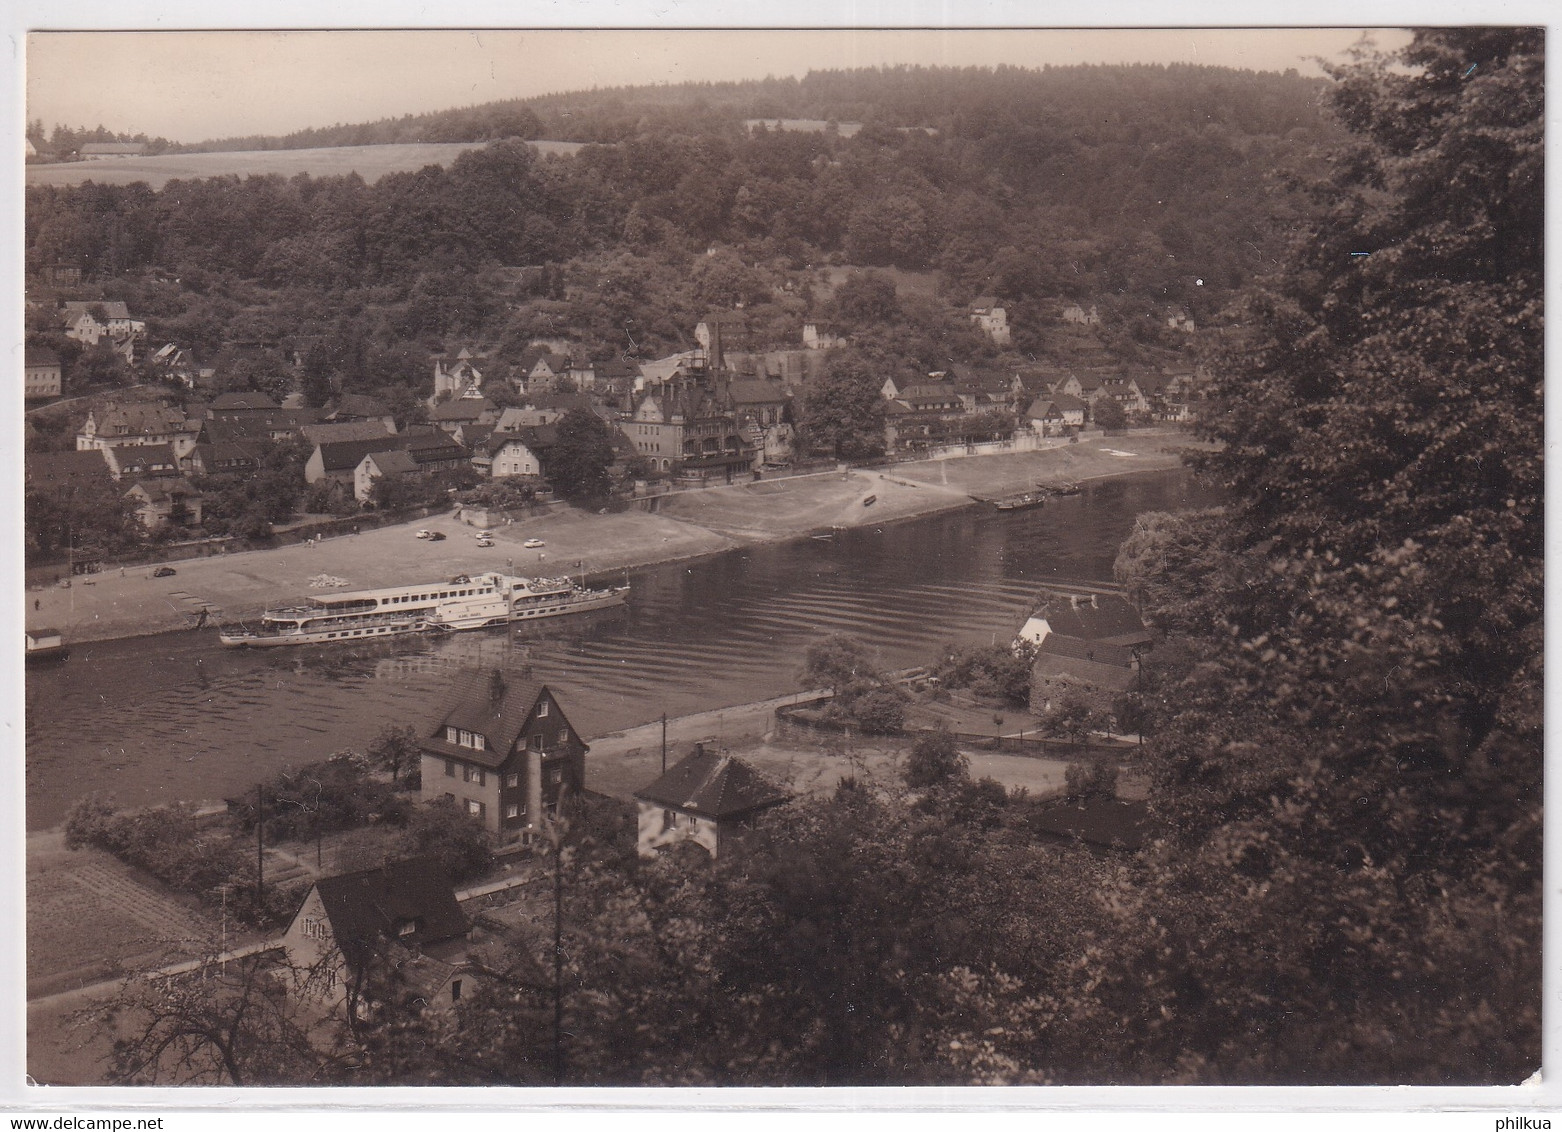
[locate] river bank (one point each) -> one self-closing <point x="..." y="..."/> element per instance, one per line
<point x="131" y="602"/>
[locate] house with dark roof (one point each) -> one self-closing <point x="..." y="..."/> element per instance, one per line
<point x="62" y="474"/>
<point x="115" y="423"/>
<point x="359" y="407"/>
<point x="339" y="459"/>
<point x="503" y="751"/>
<point x="140" y="461"/>
<point x="399" y="922"/>
<point x="222" y="457"/>
<point x="379" y="465"/>
<point x="450" y="415"/>
<point x="704" y="798"/>
<point x="328" y="432"/>
<point x="1088" y="646"/>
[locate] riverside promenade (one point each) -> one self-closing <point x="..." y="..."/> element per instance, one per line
<point x="684" y="525"/>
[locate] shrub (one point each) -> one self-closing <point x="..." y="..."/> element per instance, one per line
<point x="454" y="838"/>
<point x="1084" y="781"/>
<point x="934" y="760"/>
<point x="879" y="712"/>
<point x="989" y="671"/>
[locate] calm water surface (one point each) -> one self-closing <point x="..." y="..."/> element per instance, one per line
<point x="179" y="717"/>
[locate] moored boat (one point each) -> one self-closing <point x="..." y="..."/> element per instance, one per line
<point x="1020" y="502"/>
<point x="462" y="602"/>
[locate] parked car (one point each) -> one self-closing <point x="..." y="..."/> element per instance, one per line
<point x="425" y="534"/>
<point x="534" y="544"/>
<point x="485" y="534"/>
<point x="164" y="572"/>
<point x="485" y="542"/>
<point x="436" y="536"/>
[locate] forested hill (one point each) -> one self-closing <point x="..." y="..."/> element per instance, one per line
<point x="1088" y="103"/>
<point x="1138" y="189"/>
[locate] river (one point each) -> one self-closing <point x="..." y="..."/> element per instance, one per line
<point x="176" y="716"/>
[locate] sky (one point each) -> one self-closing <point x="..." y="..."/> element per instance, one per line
<point x="190" y="86"/>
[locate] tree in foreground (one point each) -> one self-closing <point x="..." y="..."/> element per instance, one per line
<point x="1351" y="768"/>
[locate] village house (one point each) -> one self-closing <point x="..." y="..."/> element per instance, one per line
<point x="222" y="457"/>
<point x="507" y="455"/>
<point x="1079" y="316"/>
<point x="1085" y="645"/>
<point x="504" y="752"/>
<point x="89" y="322"/>
<point x="461" y="380"/>
<point x="820" y="335"/>
<point x="41" y="375"/>
<point x="452" y="415"/>
<point x="117" y="424"/>
<point x="359" y="407"/>
<point x="399" y="921"/>
<point x="329" y="432"/>
<point x="991" y="319"/>
<point x="378" y="465"/>
<point x="61" y="475"/>
<point x="140" y="461"/>
<point x="539" y="370"/>
<point x="705" y="798"/>
<point x="165" y="502"/>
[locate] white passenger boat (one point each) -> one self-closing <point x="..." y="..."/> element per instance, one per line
<point x="462" y="602"/>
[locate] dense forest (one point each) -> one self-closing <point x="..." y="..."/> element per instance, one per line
<point x="1139" y="188"/>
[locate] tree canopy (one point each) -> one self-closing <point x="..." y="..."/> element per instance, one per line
<point x="1351" y="764"/>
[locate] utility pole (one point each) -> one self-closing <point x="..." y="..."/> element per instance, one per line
<point x="664" y="742"/>
<point x="558" y="958"/>
<point x="260" y="848"/>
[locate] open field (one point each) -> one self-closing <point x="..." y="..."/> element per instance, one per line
<point x="371" y="162"/>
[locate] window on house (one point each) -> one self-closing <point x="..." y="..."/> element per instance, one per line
<point x="512" y="810"/>
<point x="513" y="781"/>
<point x="450" y="734"/>
<point x="474" y="808"/>
<point x="455" y="990"/>
<point x="479" y="743"/>
<point x="480" y="776"/>
<point x="564" y="735"/>
<point x="406" y="928"/>
<point x="536" y="742"/>
<point x="542" y="709"/>
<point x="450" y="767"/>
<point x="669" y="820"/>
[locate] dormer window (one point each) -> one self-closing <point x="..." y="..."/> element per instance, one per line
<point x="450" y="734"/>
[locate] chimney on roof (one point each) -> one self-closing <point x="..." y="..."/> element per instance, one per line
<point x="496" y="685"/>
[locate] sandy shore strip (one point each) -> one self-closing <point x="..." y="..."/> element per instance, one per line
<point x="130" y="602"/>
